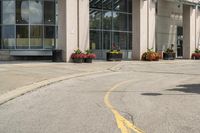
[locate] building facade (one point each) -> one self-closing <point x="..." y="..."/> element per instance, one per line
<point x="36" y="27"/>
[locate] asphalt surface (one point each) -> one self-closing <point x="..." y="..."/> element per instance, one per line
<point x="159" y="97"/>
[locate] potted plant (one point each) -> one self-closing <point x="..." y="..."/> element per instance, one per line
<point x="169" y="54"/>
<point x="150" y="55"/>
<point x="196" y="54"/>
<point x="114" y="55"/>
<point x="78" y="56"/>
<point x="89" y="56"/>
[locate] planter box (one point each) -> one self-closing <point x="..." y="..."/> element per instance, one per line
<point x="113" y="57"/>
<point x="169" y="56"/>
<point x="196" y="56"/>
<point x="88" y="60"/>
<point x="78" y="60"/>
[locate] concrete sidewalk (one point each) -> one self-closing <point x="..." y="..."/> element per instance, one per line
<point x="18" y="74"/>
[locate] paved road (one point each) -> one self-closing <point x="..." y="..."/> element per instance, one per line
<point x="160" y="97"/>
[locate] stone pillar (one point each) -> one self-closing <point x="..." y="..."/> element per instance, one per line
<point x="189" y="30"/>
<point x="198" y="28"/>
<point x="143" y="27"/>
<point x="84" y="24"/>
<point x="67" y="27"/>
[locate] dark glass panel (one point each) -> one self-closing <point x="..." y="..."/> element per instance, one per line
<point x="119" y="21"/>
<point x="22" y="37"/>
<point x="95" y="19"/>
<point x="49" y="37"/>
<point x="107" y="20"/>
<point x="8" y="37"/>
<point x="97" y="4"/>
<point x="95" y="39"/>
<point x="36" y="35"/>
<point x="130" y="41"/>
<point x="22" y="11"/>
<point x="120" y="5"/>
<point x="120" y="40"/>
<point x="107" y="4"/>
<point x="106" y="39"/>
<point x="0" y="12"/>
<point x="130" y="23"/>
<point x="49" y="12"/>
<point x="130" y="6"/>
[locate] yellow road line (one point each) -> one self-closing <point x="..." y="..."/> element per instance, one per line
<point x="123" y="124"/>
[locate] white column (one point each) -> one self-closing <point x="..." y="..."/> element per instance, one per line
<point x="197" y="28"/>
<point x="84" y="24"/>
<point x="143" y="27"/>
<point x="189" y="30"/>
<point x="67" y="27"/>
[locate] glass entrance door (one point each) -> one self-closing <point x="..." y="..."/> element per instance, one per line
<point x="180" y="42"/>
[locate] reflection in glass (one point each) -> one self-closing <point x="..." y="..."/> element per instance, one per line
<point x="95" y="39"/>
<point x="107" y="20"/>
<point x="49" y="12"/>
<point x="95" y="19"/>
<point x="8" y="37"/>
<point x="36" y="35"/>
<point x="119" y="21"/>
<point x="22" y="11"/>
<point x="22" y="38"/>
<point x="120" y="5"/>
<point x="36" y="12"/>
<point x="107" y="4"/>
<point x="97" y="4"/>
<point x="120" y="40"/>
<point x="106" y="39"/>
<point x="49" y="37"/>
<point x="8" y="12"/>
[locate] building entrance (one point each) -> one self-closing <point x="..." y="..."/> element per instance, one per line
<point x="180" y="41"/>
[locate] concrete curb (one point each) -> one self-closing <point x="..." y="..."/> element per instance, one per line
<point x="29" y="88"/>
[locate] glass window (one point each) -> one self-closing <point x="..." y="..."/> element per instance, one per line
<point x="8" y="37"/>
<point x="95" y="39"/>
<point x="36" y="35"/>
<point x="8" y="12"/>
<point x="120" y="40"/>
<point x="36" y="12"/>
<point x="22" y="37"/>
<point x="49" y="12"/>
<point x="0" y="12"/>
<point x="107" y="20"/>
<point x="95" y="19"/>
<point x="111" y="24"/>
<point x="106" y="39"/>
<point x="49" y="37"/>
<point x="119" y="21"/>
<point x="22" y="11"/>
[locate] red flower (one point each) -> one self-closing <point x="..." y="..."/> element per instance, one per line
<point x="78" y="56"/>
<point x="91" y="56"/>
<point x="196" y="55"/>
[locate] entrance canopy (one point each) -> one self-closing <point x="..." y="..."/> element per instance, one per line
<point x="189" y="2"/>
